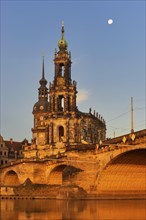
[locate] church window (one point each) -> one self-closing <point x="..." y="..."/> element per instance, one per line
<point x="84" y="134"/>
<point x="61" y="69"/>
<point x="61" y="132"/>
<point x="61" y="103"/>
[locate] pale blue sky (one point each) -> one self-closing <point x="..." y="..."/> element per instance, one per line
<point x="108" y="60"/>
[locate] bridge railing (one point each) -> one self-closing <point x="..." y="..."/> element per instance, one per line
<point x="138" y="135"/>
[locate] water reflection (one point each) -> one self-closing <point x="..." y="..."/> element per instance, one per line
<point x="73" y="210"/>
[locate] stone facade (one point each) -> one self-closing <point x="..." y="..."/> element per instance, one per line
<point x="57" y="118"/>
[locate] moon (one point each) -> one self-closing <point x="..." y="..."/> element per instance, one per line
<point x="110" y="21"/>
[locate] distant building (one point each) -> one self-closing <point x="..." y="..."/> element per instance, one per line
<point x="57" y="118"/>
<point x="3" y="152"/>
<point x="11" y="150"/>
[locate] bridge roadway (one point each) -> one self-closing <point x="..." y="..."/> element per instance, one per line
<point x="98" y="172"/>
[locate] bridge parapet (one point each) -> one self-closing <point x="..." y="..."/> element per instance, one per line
<point x="130" y="138"/>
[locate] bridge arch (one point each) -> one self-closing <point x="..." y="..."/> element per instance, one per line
<point x="126" y="172"/>
<point x="11" y="179"/>
<point x="62" y="174"/>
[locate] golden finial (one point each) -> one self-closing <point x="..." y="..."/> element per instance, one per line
<point x="62" y="44"/>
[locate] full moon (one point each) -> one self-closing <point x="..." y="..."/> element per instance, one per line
<point x="110" y="21"/>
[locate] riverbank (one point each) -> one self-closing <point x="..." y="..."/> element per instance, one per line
<point x="28" y="190"/>
<point x="75" y="193"/>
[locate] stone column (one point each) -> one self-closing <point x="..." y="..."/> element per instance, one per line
<point x="65" y="103"/>
<point x="51" y="103"/>
<point x="47" y="134"/>
<point x="75" y="131"/>
<point x="79" y="130"/>
<point x="67" y="131"/>
<point x="51" y="139"/>
<point x="74" y="102"/>
<point x="52" y="133"/>
<point x="56" y="103"/>
<point x="99" y="135"/>
<point x="56" y="70"/>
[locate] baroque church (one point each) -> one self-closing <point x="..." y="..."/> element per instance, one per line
<point x="57" y="120"/>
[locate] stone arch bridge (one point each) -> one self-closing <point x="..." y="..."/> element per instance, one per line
<point x="118" y="168"/>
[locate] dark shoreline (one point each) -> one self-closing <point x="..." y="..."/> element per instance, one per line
<point x="100" y="197"/>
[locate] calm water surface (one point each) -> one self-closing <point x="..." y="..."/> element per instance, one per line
<point x="72" y="210"/>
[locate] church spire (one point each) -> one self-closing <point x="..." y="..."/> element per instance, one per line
<point x="62" y="43"/>
<point x="43" y="81"/>
<point x="42" y="104"/>
<point x="62" y="30"/>
<point x="43" y="72"/>
<point x="43" y="91"/>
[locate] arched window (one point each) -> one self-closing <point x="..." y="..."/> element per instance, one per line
<point x="61" y="69"/>
<point x="61" y="132"/>
<point x="61" y="103"/>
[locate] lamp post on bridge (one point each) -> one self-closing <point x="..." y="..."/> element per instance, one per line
<point x="132" y="127"/>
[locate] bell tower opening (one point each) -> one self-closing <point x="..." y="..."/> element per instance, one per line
<point x="61" y="103"/>
<point x="61" y="132"/>
<point x="61" y="70"/>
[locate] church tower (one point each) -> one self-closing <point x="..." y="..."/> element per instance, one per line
<point x="58" y="124"/>
<point x="40" y="111"/>
<point x="62" y="91"/>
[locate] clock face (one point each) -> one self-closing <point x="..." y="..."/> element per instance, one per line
<point x="41" y="107"/>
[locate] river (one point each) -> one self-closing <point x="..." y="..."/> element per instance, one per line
<point x="73" y="209"/>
